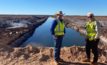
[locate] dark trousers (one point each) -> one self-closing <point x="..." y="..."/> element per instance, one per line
<point x="94" y="46"/>
<point x="57" y="47"/>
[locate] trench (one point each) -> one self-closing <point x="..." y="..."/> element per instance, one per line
<point x="42" y="37"/>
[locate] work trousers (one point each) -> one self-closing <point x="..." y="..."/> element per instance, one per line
<point x="94" y="46"/>
<point x="57" y="47"/>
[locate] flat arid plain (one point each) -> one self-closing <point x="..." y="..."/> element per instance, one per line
<point x="16" y="29"/>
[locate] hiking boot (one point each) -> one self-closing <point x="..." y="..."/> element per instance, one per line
<point x="60" y="60"/>
<point x="86" y="60"/>
<point x="56" y="63"/>
<point x="94" y="63"/>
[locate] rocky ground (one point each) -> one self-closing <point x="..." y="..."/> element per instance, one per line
<point x="78" y="23"/>
<point x="45" y="55"/>
<point x="14" y="27"/>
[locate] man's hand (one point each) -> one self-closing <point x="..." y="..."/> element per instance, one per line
<point x="63" y="35"/>
<point x="94" y="39"/>
<point x="55" y="36"/>
<point x="85" y="39"/>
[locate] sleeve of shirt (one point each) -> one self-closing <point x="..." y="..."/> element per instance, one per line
<point x="64" y="31"/>
<point x="64" y="28"/>
<point x="98" y="29"/>
<point x="86" y="32"/>
<point x="54" y="23"/>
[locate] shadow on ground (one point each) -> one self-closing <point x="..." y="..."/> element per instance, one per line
<point x="77" y="63"/>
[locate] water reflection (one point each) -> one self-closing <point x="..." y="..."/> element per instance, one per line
<point x="43" y="37"/>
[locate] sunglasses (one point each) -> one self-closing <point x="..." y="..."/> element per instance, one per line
<point x="90" y="16"/>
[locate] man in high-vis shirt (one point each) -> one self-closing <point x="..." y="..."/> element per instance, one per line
<point x="58" y="32"/>
<point x="93" y="34"/>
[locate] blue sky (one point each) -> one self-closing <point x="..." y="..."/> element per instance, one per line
<point x="49" y="7"/>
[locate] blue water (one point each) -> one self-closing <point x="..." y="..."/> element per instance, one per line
<point x="43" y="38"/>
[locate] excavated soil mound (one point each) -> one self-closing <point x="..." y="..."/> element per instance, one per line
<point x="45" y="55"/>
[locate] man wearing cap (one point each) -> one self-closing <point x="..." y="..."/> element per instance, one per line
<point x="93" y="33"/>
<point x="58" y="32"/>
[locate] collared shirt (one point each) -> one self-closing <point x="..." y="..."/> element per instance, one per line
<point x="92" y="20"/>
<point x="54" y="23"/>
<point x="97" y="28"/>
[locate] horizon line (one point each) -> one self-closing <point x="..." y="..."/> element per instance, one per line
<point x="49" y="14"/>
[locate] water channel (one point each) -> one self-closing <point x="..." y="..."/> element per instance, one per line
<point x="43" y="38"/>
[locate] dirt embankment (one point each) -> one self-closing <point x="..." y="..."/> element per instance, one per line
<point x="78" y="23"/>
<point x="45" y="55"/>
<point x="11" y="34"/>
